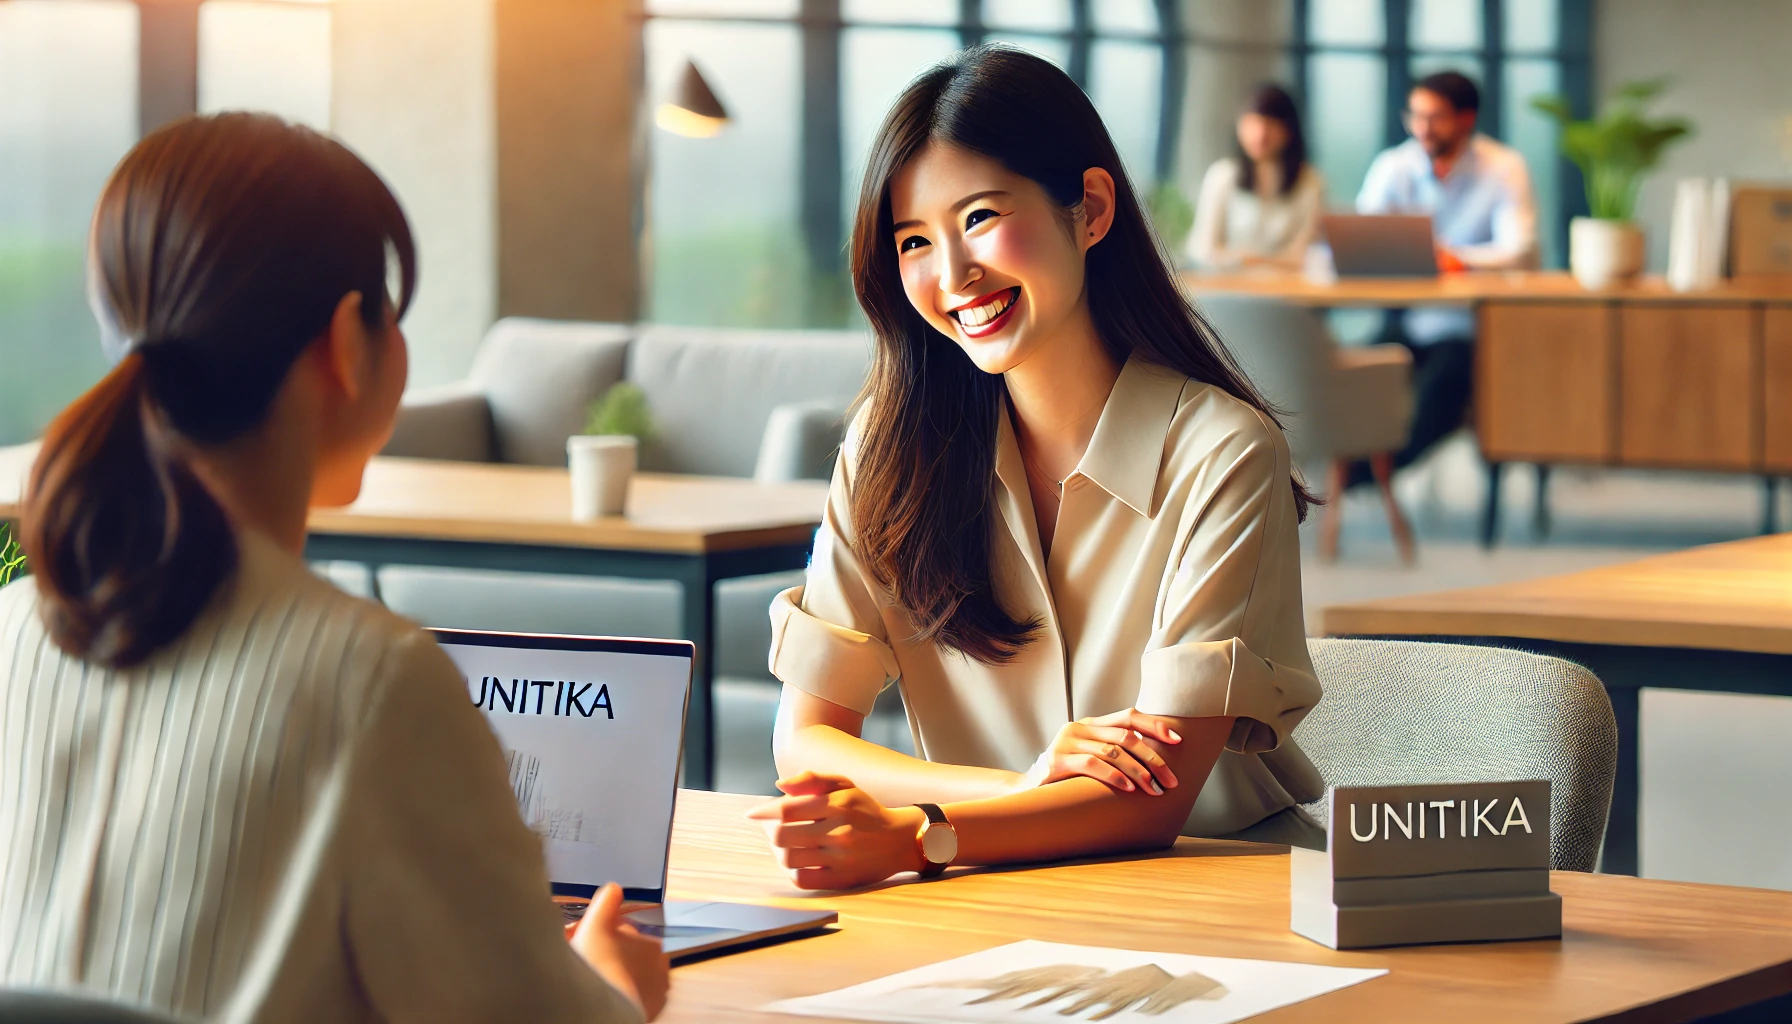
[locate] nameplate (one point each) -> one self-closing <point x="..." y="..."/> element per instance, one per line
<point x="1408" y="865"/>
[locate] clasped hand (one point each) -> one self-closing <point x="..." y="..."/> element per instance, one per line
<point x="1111" y="749"/>
<point x="829" y="834"/>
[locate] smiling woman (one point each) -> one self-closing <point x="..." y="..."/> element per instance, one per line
<point x="1062" y="520"/>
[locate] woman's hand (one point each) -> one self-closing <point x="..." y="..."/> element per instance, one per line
<point x="1111" y="750"/>
<point x="830" y="835"/>
<point x="632" y="963"/>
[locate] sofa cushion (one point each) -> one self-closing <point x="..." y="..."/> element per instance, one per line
<point x="711" y="390"/>
<point x="449" y="422"/>
<point x="527" y="602"/>
<point x="539" y="376"/>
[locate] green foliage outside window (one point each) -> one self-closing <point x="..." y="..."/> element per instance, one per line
<point x="1617" y="149"/>
<point x="1172" y="215"/>
<point x="12" y="560"/>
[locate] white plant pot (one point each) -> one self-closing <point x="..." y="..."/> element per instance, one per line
<point x="1604" y="252"/>
<point x="601" y="466"/>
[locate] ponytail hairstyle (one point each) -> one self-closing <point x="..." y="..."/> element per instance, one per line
<point x="220" y="250"/>
<point x="926" y="459"/>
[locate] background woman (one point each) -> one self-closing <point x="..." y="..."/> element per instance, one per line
<point x="231" y="790"/>
<point x="1061" y="519"/>
<point x="1262" y="204"/>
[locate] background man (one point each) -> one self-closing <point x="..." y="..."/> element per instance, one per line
<point x="1478" y="194"/>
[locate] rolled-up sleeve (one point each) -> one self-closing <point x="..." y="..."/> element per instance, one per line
<point x="1229" y="640"/>
<point x="828" y="635"/>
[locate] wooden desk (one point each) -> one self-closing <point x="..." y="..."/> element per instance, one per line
<point x="1472" y="288"/>
<point x="1637" y="375"/>
<point x="693" y="530"/>
<point x="1632" y="950"/>
<point x="1715" y="618"/>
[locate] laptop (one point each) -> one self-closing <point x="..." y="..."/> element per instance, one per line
<point x="1381" y="245"/>
<point x="593" y="733"/>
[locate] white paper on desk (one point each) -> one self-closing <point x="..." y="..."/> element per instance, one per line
<point x="1163" y="987"/>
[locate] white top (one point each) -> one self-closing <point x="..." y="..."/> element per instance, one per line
<point x="1173" y="586"/>
<point x="1483" y="210"/>
<point x="293" y="813"/>
<point x="1231" y="223"/>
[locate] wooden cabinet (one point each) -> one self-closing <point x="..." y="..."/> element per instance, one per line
<point x="1689" y="392"/>
<point x="1776" y="398"/>
<point x="1546" y="382"/>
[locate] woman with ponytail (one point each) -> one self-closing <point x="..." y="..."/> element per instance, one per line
<point x="231" y="790"/>
<point x="1062" y="522"/>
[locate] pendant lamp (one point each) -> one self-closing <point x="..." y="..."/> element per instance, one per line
<point x="693" y="109"/>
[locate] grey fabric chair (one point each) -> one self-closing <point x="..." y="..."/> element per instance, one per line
<point x="1398" y="712"/>
<point x="22" y="1006"/>
<point x="1339" y="404"/>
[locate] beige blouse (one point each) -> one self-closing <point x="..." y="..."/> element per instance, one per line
<point x="1173" y="586"/>
<point x="292" y="813"/>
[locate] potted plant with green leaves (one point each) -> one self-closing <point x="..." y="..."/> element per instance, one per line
<point x="604" y="457"/>
<point x="1615" y="152"/>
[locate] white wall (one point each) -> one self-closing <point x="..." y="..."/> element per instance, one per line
<point x="1728" y="59"/>
<point x="412" y="94"/>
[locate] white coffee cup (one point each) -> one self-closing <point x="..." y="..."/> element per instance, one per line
<point x="601" y="468"/>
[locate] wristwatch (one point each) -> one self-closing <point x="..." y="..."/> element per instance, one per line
<point x="938" y="841"/>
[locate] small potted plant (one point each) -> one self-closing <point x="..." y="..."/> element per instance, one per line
<point x="1614" y="152"/>
<point x="603" y="459"/>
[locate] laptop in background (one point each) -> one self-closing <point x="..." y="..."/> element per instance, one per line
<point x="593" y="733"/>
<point x="1381" y="245"/>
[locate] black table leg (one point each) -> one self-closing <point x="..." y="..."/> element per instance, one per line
<point x="1620" y="855"/>
<point x="700" y="628"/>
<point x="1490" y="516"/>
<point x="1540" y="511"/>
<point x="1769" y="496"/>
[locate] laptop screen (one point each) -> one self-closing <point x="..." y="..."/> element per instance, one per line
<point x="592" y="728"/>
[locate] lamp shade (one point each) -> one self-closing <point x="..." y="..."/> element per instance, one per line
<point x="693" y="108"/>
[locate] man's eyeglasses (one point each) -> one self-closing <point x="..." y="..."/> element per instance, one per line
<point x="1410" y="120"/>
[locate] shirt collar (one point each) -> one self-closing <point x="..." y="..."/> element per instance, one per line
<point x="1127" y="449"/>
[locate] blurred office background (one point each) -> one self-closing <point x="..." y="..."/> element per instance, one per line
<point x="519" y="135"/>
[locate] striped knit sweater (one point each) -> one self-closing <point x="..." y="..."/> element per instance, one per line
<point x="292" y="813"/>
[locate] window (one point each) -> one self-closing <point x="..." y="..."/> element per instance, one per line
<point x="749" y="227"/>
<point x="68" y="111"/>
<point x="1513" y="49"/>
<point x="273" y="57"/>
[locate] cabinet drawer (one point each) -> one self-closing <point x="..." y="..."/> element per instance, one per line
<point x="1688" y="395"/>
<point x="1546" y="377"/>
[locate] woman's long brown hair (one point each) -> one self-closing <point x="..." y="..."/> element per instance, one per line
<point x="921" y="502"/>
<point x="220" y="249"/>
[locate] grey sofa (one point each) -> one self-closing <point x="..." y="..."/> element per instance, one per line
<point x="725" y="402"/>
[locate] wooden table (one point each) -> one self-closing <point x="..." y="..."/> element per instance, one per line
<point x="1636" y="375"/>
<point x="1716" y="618"/>
<point x="693" y="530"/>
<point x="1632" y="950"/>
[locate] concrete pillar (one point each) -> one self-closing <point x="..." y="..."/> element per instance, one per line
<point x="568" y="86"/>
<point x="508" y="130"/>
<point x="1249" y="36"/>
<point x="412" y="94"/>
